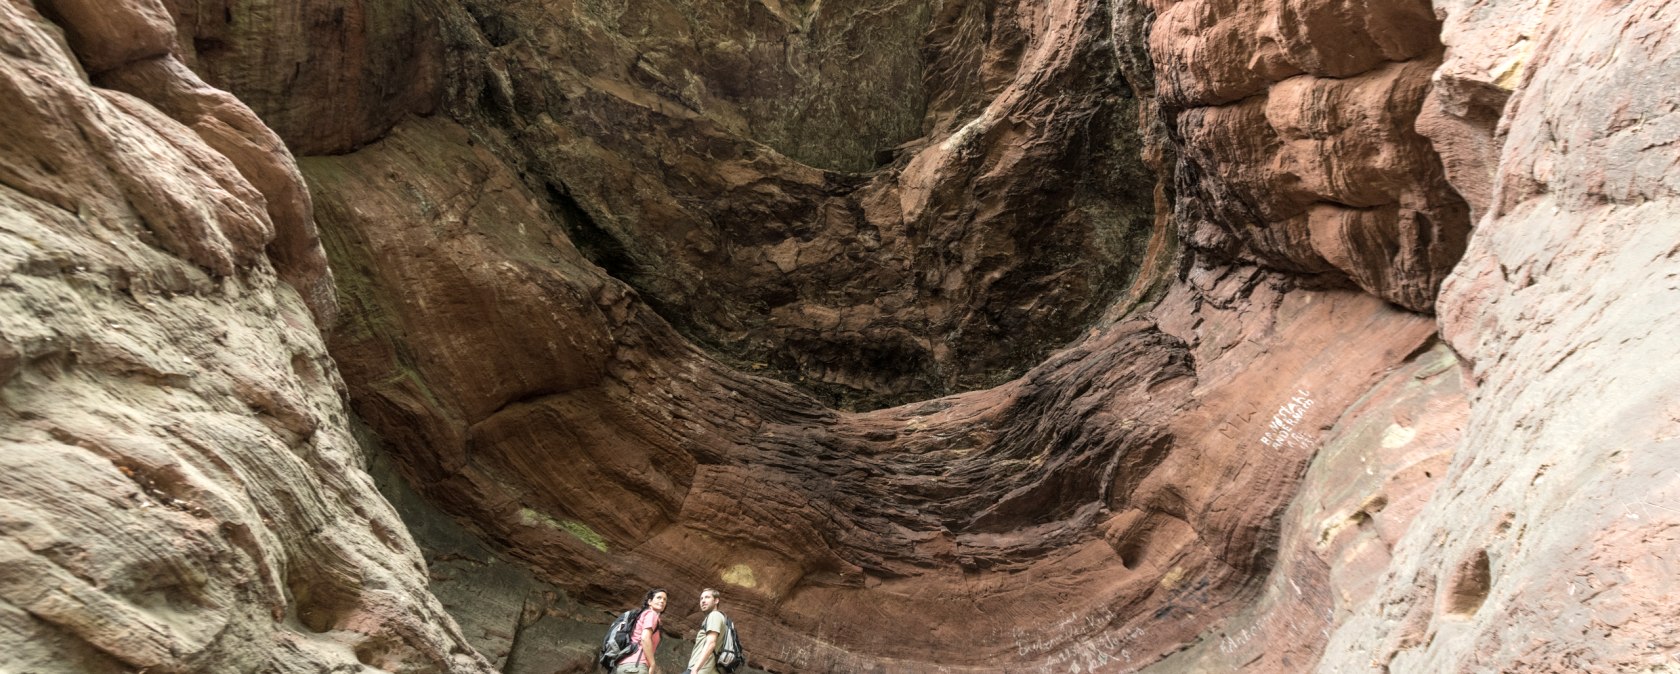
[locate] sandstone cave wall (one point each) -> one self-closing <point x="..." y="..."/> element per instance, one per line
<point x="180" y="489"/>
<point x="1549" y="544"/>
<point x="1541" y="549"/>
<point x="1179" y="256"/>
<point x="616" y="454"/>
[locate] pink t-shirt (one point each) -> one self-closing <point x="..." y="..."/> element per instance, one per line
<point x="648" y="621"/>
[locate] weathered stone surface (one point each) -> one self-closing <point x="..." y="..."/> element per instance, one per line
<point x="880" y="200"/>
<point x="1374" y="472"/>
<point x="178" y="488"/>
<point x="106" y="35"/>
<point x="1234" y="461"/>
<point x="231" y="129"/>
<point x="1549" y="546"/>
<point x="518" y="622"/>
<point x="327" y="75"/>
<point x="1489" y="45"/>
<point x="1297" y="147"/>
<point x="617" y="456"/>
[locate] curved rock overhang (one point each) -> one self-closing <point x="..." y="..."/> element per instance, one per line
<point x="944" y="336"/>
<point x="511" y="279"/>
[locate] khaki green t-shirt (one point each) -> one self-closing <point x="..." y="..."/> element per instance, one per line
<point x="714" y="623"/>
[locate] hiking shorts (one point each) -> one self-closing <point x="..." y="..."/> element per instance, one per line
<point x="631" y="668"/>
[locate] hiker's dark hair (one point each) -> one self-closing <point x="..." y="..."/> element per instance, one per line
<point x="648" y="598"/>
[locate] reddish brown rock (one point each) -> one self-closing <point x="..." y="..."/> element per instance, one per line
<point x="326" y="75"/>
<point x="179" y="491"/>
<point x="1125" y="466"/>
<point x="1547" y="549"/>
<point x="937" y="214"/>
<point x="1297" y="147"/>
<point x="1373" y="473"/>
<point x="1130" y="466"/>
<point x="1488" y="48"/>
<point x="1228" y="459"/>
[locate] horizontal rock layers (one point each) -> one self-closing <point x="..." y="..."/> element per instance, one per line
<point x="1145" y="285"/>
<point x="1294" y="130"/>
<point x="179" y="491"/>
<point x="1127" y="486"/>
<point x="1549" y="546"/>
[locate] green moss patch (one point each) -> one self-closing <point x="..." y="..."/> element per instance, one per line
<point x="578" y="529"/>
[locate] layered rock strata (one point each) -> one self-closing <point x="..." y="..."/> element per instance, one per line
<point x="1542" y="548"/>
<point x="1136" y="466"/>
<point x="882" y="201"/>
<point x="1118" y="487"/>
<point x="1294" y="130"/>
<point x="1238" y="453"/>
<point x="1550" y="544"/>
<point x="179" y="491"/>
<point x="1098" y="513"/>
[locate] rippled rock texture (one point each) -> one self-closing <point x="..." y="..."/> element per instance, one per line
<point x="881" y="200"/>
<point x="179" y="491"/>
<point x="945" y="337"/>
<point x="1294" y="125"/>
<point x="615" y="454"/>
<point x="1097" y="512"/>
<point x="1549" y="545"/>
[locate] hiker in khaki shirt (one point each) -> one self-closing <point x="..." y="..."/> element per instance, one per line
<point x="706" y="644"/>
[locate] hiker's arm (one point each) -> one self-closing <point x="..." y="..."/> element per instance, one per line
<point x="647" y="638"/>
<point x="711" y="646"/>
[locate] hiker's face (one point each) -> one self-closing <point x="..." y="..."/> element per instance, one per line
<point x="708" y="601"/>
<point x="658" y="602"/>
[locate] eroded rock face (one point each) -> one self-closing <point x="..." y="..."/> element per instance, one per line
<point x="327" y="75"/>
<point x="180" y="490"/>
<point x="1243" y="455"/>
<point x="1119" y="494"/>
<point x="722" y="159"/>
<point x="1367" y="482"/>
<point x="1296" y="146"/>
<point x="619" y="455"/>
<point x="1558" y="514"/>
<point x="1097" y="513"/>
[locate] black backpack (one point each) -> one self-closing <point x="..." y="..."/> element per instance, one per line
<point x="730" y="657"/>
<point x="617" y="644"/>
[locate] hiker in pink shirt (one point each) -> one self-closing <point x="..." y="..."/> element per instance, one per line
<point x="645" y="636"/>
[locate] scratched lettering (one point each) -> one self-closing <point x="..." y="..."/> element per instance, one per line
<point x="1099" y="649"/>
<point x="1280" y="432"/>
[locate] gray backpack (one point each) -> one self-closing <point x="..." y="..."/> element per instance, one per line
<point x="730" y="657"/>
<point x="618" y="643"/>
